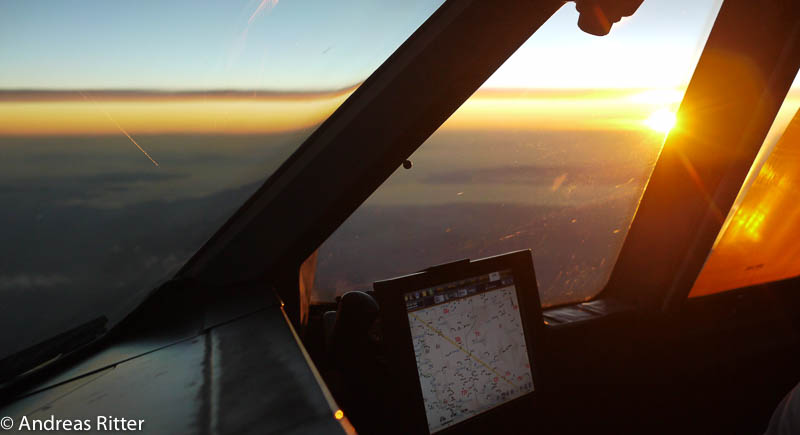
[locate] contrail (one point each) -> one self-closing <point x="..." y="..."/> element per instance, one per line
<point x="240" y="42"/>
<point x="120" y="128"/>
<point x="261" y="7"/>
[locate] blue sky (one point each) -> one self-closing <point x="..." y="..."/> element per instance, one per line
<point x="656" y="47"/>
<point x="312" y="44"/>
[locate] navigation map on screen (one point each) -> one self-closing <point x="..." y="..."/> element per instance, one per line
<point x="470" y="347"/>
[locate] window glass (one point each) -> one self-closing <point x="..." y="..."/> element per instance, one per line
<point x="551" y="154"/>
<point x="130" y="131"/>
<point x="758" y="241"/>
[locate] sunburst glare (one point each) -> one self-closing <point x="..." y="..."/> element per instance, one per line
<point x="661" y="120"/>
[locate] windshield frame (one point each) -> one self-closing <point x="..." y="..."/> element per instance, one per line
<point x="363" y="126"/>
<point x="705" y="161"/>
<point x="388" y="117"/>
<point x="242" y="252"/>
<point x="321" y="184"/>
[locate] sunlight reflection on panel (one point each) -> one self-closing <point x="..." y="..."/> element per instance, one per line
<point x="758" y="242"/>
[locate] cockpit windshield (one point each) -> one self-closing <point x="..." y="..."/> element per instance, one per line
<point x="551" y="154"/>
<point x="130" y="131"/>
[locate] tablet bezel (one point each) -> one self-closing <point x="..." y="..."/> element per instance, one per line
<point x="399" y="350"/>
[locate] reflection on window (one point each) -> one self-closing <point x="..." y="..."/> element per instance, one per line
<point x="129" y="132"/>
<point x="758" y="241"/>
<point x="551" y="154"/>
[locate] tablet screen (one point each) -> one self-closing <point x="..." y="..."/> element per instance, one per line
<point x="469" y="345"/>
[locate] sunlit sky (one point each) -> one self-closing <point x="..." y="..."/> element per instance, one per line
<point x="183" y="44"/>
<point x="314" y="44"/>
<point x="134" y="70"/>
<point x="322" y="49"/>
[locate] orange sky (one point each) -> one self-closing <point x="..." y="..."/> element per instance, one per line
<point x="98" y="113"/>
<point x="95" y="113"/>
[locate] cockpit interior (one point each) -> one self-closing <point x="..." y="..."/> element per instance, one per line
<point x="430" y="216"/>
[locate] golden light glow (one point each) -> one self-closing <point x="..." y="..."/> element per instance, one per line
<point x="548" y="109"/>
<point x="749" y="222"/>
<point x="661" y="120"/>
<point x="165" y="114"/>
<point x="758" y="241"/>
<point x="64" y="113"/>
<point x="658" y="96"/>
<point x="338" y="414"/>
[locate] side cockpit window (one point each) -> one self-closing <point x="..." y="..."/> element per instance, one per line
<point x="758" y="241"/>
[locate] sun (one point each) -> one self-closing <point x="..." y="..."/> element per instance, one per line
<point x="661" y="120"/>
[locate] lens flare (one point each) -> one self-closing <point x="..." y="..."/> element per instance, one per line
<point x="661" y="120"/>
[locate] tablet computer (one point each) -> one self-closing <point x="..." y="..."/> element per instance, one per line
<point x="462" y="343"/>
